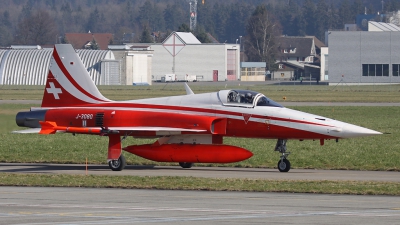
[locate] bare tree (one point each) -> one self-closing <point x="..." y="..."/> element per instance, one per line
<point x="260" y="42"/>
<point x="37" y="29"/>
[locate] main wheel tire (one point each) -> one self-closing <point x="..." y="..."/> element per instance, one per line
<point x="117" y="165"/>
<point x="186" y="165"/>
<point x="283" y="165"/>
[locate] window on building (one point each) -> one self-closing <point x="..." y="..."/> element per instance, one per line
<point x="378" y="69"/>
<point x="372" y="70"/>
<point x="365" y="70"/>
<point x="396" y="70"/>
<point x="280" y="66"/>
<point x="386" y="70"/>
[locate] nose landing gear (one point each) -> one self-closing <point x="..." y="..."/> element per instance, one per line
<point x="283" y="163"/>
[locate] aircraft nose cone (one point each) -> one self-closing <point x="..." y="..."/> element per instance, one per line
<point x="350" y="130"/>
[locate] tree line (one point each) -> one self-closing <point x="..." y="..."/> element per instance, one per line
<point x="40" y="22"/>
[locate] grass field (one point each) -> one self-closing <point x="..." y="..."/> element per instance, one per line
<point x="293" y="93"/>
<point x="204" y="184"/>
<point x="372" y="153"/>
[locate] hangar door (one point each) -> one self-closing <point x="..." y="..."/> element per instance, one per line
<point x="231" y="64"/>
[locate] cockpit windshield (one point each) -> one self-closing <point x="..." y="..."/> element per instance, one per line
<point x="264" y="101"/>
<point x="249" y="98"/>
<point x="241" y="96"/>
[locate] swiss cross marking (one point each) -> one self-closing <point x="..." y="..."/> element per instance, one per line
<point x="174" y="47"/>
<point x="246" y="117"/>
<point x="53" y="90"/>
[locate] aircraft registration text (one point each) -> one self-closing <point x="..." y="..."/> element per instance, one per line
<point x="84" y="116"/>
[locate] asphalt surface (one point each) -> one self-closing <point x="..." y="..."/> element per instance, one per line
<point x="87" y="206"/>
<point x="205" y="172"/>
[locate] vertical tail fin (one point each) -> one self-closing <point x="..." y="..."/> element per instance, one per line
<point x="68" y="83"/>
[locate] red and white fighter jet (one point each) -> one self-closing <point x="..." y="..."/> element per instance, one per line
<point x="189" y="128"/>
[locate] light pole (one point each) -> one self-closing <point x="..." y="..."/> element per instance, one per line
<point x="240" y="56"/>
<point x="240" y="42"/>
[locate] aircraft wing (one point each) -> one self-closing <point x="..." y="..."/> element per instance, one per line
<point x="172" y="129"/>
<point x="52" y="127"/>
<point x="156" y="129"/>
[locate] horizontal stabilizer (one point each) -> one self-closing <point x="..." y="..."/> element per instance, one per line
<point x="27" y="131"/>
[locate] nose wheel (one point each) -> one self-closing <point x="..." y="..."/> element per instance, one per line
<point x="186" y="165"/>
<point x="283" y="163"/>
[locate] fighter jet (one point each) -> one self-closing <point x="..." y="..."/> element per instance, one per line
<point x="188" y="129"/>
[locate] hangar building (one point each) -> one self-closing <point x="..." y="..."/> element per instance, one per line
<point x="24" y="65"/>
<point x="208" y="61"/>
<point x="364" y="57"/>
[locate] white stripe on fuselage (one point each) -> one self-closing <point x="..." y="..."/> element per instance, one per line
<point x="319" y="128"/>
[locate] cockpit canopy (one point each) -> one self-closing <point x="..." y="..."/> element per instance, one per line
<point x="245" y="98"/>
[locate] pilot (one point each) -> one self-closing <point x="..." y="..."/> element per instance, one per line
<point x="231" y="97"/>
<point x="249" y="98"/>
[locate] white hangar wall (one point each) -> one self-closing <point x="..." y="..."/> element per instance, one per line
<point x="138" y="68"/>
<point x="197" y="59"/>
<point x="350" y="50"/>
<point x="135" y="64"/>
<point x="30" y="66"/>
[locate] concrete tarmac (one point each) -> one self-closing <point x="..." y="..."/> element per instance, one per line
<point x="205" y="172"/>
<point x="87" y="206"/>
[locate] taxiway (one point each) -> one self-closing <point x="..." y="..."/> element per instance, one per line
<point x="205" y="172"/>
<point x="86" y="206"/>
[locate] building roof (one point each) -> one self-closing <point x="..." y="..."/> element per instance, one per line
<point x="253" y="64"/>
<point x="186" y="38"/>
<point x="379" y="26"/>
<point x="318" y="43"/>
<point x="303" y="46"/>
<point x="212" y="39"/>
<point x="79" y="40"/>
<point x="293" y="65"/>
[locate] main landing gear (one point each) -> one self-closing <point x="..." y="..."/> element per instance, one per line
<point x="117" y="165"/>
<point x="284" y="163"/>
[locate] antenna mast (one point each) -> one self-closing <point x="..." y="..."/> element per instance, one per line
<point x="193" y="14"/>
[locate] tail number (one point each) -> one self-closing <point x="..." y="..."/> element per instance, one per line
<point x="84" y="116"/>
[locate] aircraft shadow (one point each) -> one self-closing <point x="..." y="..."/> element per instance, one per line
<point x="50" y="168"/>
